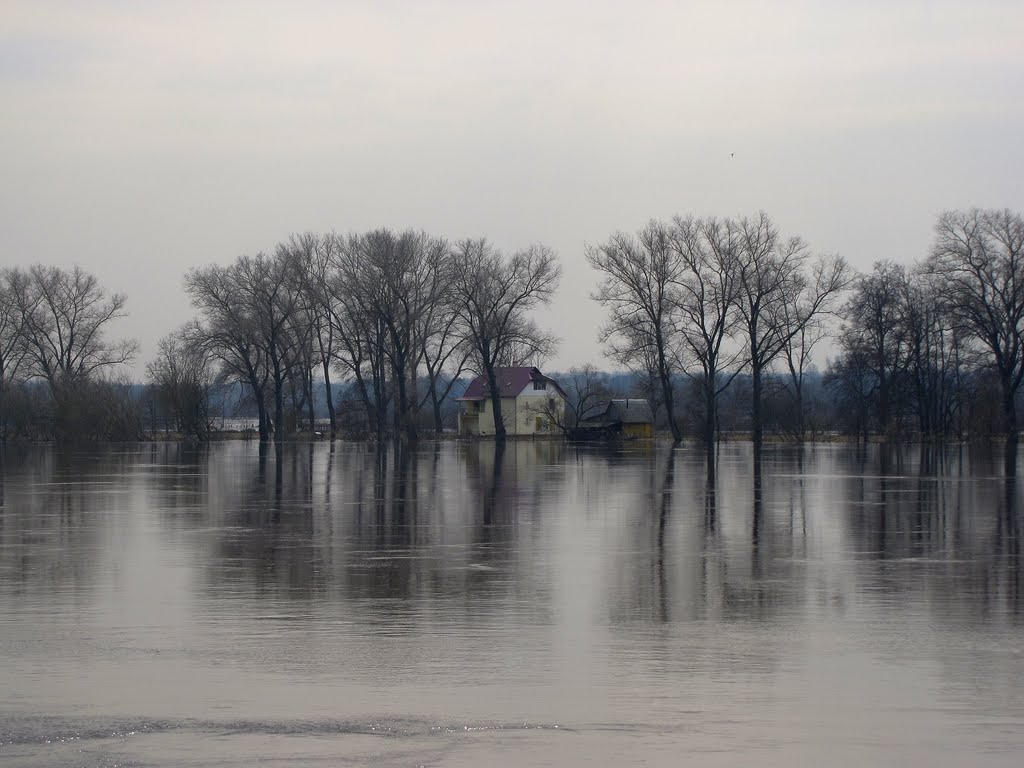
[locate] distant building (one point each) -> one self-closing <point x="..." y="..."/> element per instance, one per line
<point x="531" y="403"/>
<point x="630" y="418"/>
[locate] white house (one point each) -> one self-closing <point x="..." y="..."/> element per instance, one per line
<point x="531" y="403"/>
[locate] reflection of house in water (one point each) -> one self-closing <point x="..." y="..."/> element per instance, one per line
<point x="630" y="418"/>
<point x="531" y="403"/>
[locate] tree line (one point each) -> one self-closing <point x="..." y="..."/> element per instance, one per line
<point x="698" y="309"/>
<point x="920" y="349"/>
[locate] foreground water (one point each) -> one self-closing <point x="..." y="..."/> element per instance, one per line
<point x="332" y="605"/>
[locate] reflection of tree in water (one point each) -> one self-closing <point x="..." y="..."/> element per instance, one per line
<point x="945" y="521"/>
<point x="56" y="508"/>
<point x="770" y="583"/>
<point x="443" y="523"/>
<point x="177" y="478"/>
<point x="709" y="540"/>
<point x="264" y="538"/>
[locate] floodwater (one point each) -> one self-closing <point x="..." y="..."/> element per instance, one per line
<point x="162" y="605"/>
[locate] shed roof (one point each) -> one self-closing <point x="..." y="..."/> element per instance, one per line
<point x="634" y="410"/>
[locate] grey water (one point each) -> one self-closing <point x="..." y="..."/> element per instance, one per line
<point x="332" y="604"/>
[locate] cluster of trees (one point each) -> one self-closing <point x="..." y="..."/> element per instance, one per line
<point x="932" y="347"/>
<point x="56" y="360"/>
<point x="926" y="349"/>
<point x="709" y="298"/>
<point x="398" y="315"/>
<point x="706" y="313"/>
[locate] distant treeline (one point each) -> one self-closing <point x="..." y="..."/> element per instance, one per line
<point x="374" y="334"/>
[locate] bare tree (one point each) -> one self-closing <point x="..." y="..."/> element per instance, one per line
<point x="772" y="270"/>
<point x="182" y="373"/>
<point x="65" y="316"/>
<point x="640" y="276"/>
<point x="445" y="355"/>
<point x="314" y="256"/>
<point x="231" y="333"/>
<point x="13" y="351"/>
<point x="798" y="358"/>
<point x="494" y="295"/>
<point x="807" y="313"/>
<point x="978" y="255"/>
<point x="402" y="281"/>
<point x="874" y="335"/>
<point x="937" y="348"/>
<point x="706" y="301"/>
<point x="585" y="389"/>
<point x="360" y="335"/>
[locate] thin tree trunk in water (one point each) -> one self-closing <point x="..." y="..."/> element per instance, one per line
<point x="404" y="411"/>
<point x="1009" y="413"/>
<point x="801" y="426"/>
<point x="438" y="423"/>
<point x="261" y="411"/>
<point x="666" y="391"/>
<point x="412" y="412"/>
<point x="499" y="421"/>
<point x="755" y="411"/>
<point x="379" y="412"/>
<point x="330" y="397"/>
<point x="709" y="413"/>
<point x="278" y="403"/>
<point x="883" y="404"/>
<point x="309" y="398"/>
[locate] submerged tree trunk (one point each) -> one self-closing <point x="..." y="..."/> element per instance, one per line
<point x="710" y="413"/>
<point x="436" y="404"/>
<point x="330" y="397"/>
<point x="499" y="419"/>
<point x="666" y="389"/>
<point x="1009" y="413"/>
<point x="311" y="411"/>
<point x="757" y="428"/>
<point x="261" y="411"/>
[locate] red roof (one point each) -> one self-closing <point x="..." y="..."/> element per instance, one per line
<point x="511" y="381"/>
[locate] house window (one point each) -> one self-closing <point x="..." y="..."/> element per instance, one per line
<point x="540" y="385"/>
<point x="478" y="405"/>
<point x="551" y="404"/>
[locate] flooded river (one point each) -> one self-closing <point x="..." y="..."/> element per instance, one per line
<point x="162" y="605"/>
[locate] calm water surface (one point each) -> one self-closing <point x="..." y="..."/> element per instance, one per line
<point x="331" y="605"/>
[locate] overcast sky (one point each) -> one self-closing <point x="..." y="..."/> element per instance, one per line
<point x="142" y="138"/>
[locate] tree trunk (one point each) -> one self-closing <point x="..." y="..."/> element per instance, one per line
<point x="499" y="421"/>
<point x="309" y="404"/>
<point x="404" y="411"/>
<point x="412" y="404"/>
<point x="278" y="395"/>
<point x="755" y="406"/>
<point x="261" y="411"/>
<point x="1009" y="412"/>
<point x="883" y="403"/>
<point x="438" y="422"/>
<point x="710" y="408"/>
<point x="801" y="421"/>
<point x="666" y="389"/>
<point x="330" y="397"/>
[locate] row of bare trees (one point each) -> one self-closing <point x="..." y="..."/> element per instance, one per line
<point x="398" y="315"/>
<point x="936" y="348"/>
<point x="931" y="347"/>
<point x="926" y="349"/>
<point x="707" y="298"/>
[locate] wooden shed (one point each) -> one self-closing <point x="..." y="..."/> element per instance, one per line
<point x="631" y="418"/>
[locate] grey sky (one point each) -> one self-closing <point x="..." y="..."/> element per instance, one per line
<point x="142" y="138"/>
